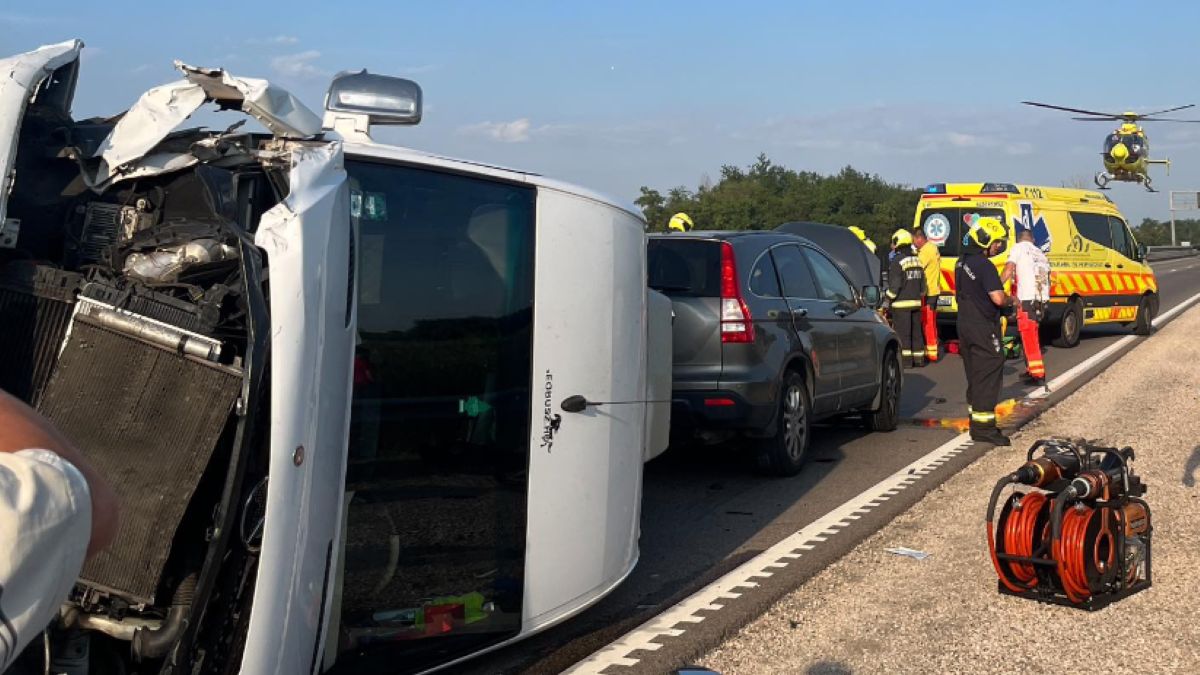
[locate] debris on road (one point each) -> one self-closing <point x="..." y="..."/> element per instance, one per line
<point x="910" y="552"/>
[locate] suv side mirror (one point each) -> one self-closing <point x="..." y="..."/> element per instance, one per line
<point x="870" y="296"/>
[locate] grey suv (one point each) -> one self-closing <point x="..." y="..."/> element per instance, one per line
<point x="770" y="336"/>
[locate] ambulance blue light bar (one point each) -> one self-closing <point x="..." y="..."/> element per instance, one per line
<point x="935" y="189"/>
<point x="1000" y="187"/>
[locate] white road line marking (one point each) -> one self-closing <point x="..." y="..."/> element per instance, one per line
<point x="805" y="539"/>
<point x="685" y="611"/>
<point x="1099" y="356"/>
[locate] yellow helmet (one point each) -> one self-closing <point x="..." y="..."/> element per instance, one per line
<point x="862" y="236"/>
<point x="680" y="222"/>
<point x="985" y="231"/>
<point x="901" y="237"/>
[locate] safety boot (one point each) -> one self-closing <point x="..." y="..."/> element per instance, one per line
<point x="988" y="433"/>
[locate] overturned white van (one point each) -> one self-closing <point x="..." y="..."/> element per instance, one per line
<point x="324" y="375"/>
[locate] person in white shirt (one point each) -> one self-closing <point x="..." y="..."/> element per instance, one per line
<point x="1028" y="267"/>
<point x="55" y="510"/>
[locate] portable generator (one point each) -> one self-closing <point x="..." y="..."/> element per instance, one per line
<point x="1074" y="530"/>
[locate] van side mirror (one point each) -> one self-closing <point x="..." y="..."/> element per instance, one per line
<point x="870" y="296"/>
<point x="1141" y="253"/>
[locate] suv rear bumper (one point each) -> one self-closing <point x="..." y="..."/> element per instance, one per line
<point x="719" y="410"/>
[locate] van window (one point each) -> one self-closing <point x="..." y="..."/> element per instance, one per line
<point x="831" y="282"/>
<point x="1093" y="227"/>
<point x="684" y="267"/>
<point x="763" y="281"/>
<point x="946" y="226"/>
<point x="440" y="421"/>
<point x="1122" y="241"/>
<point x="793" y="270"/>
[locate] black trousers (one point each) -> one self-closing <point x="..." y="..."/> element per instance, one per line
<point x="979" y="345"/>
<point x="907" y="323"/>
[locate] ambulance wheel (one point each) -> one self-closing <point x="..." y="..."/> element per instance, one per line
<point x="784" y="453"/>
<point x="1145" y="317"/>
<point x="1070" y="326"/>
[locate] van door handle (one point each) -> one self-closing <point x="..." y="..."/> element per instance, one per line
<point x="1108" y="264"/>
<point x="800" y="312"/>
<point x="1120" y="266"/>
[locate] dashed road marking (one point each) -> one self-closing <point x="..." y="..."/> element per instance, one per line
<point x="673" y="622"/>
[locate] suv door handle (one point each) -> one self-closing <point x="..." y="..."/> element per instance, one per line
<point x="800" y="312"/>
<point x="841" y="311"/>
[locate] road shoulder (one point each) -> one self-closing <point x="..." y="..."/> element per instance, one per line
<point x="876" y="612"/>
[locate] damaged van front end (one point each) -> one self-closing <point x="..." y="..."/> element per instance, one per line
<point x="180" y="302"/>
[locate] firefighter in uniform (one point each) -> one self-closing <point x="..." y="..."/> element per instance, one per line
<point x="680" y="222"/>
<point x="980" y="296"/>
<point x="1028" y="268"/>
<point x="906" y="287"/>
<point x="931" y="262"/>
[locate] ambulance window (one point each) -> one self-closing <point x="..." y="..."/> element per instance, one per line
<point x="437" y="479"/>
<point x="1120" y="234"/>
<point x="1093" y="227"/>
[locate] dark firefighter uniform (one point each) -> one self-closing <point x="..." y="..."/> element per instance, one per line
<point x="979" y="334"/>
<point x="906" y="288"/>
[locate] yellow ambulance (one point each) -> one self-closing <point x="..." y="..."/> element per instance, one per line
<point x="1098" y="270"/>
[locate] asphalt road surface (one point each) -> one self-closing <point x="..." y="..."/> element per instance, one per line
<point x="705" y="510"/>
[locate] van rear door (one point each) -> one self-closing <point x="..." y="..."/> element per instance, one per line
<point x="688" y="271"/>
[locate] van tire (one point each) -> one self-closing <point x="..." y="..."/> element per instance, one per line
<point x="1144" y="325"/>
<point x="784" y="453"/>
<point x="887" y="418"/>
<point x="1070" y="326"/>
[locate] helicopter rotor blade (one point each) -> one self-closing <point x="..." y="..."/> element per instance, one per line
<point x="1182" y="107"/>
<point x="1074" y="110"/>
<point x="1098" y="119"/>
<point x="1166" y="119"/>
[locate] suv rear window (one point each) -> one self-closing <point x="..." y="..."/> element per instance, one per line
<point x="684" y="267"/>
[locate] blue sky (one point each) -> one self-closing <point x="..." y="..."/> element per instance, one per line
<point x="616" y="95"/>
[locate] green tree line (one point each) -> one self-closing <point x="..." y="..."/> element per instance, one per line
<point x="1157" y="233"/>
<point x="765" y="194"/>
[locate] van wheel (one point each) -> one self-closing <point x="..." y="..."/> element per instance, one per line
<point x="887" y="418"/>
<point x="785" y="453"/>
<point x="1145" y="317"/>
<point x="1070" y="326"/>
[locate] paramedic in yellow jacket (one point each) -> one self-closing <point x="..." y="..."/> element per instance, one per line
<point x="931" y="263"/>
<point x="906" y="288"/>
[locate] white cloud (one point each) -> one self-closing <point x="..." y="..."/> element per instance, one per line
<point x="299" y="66"/>
<point x="282" y="40"/>
<point x="516" y="131"/>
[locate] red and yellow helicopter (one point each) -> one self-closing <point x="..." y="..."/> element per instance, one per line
<point x="1127" y="149"/>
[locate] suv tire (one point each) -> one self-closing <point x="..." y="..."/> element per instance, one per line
<point x="887" y="418"/>
<point x="784" y="453"/>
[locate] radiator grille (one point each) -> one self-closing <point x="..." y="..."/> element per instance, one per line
<point x="148" y="420"/>
<point x="35" y="308"/>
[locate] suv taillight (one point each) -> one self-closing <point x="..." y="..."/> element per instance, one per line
<point x="736" y="325"/>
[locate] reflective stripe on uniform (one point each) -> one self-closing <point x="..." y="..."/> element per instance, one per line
<point x="891" y="294"/>
<point x="906" y="304"/>
<point x="985" y="417"/>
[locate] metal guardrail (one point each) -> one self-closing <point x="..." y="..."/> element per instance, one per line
<point x="1154" y="253"/>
